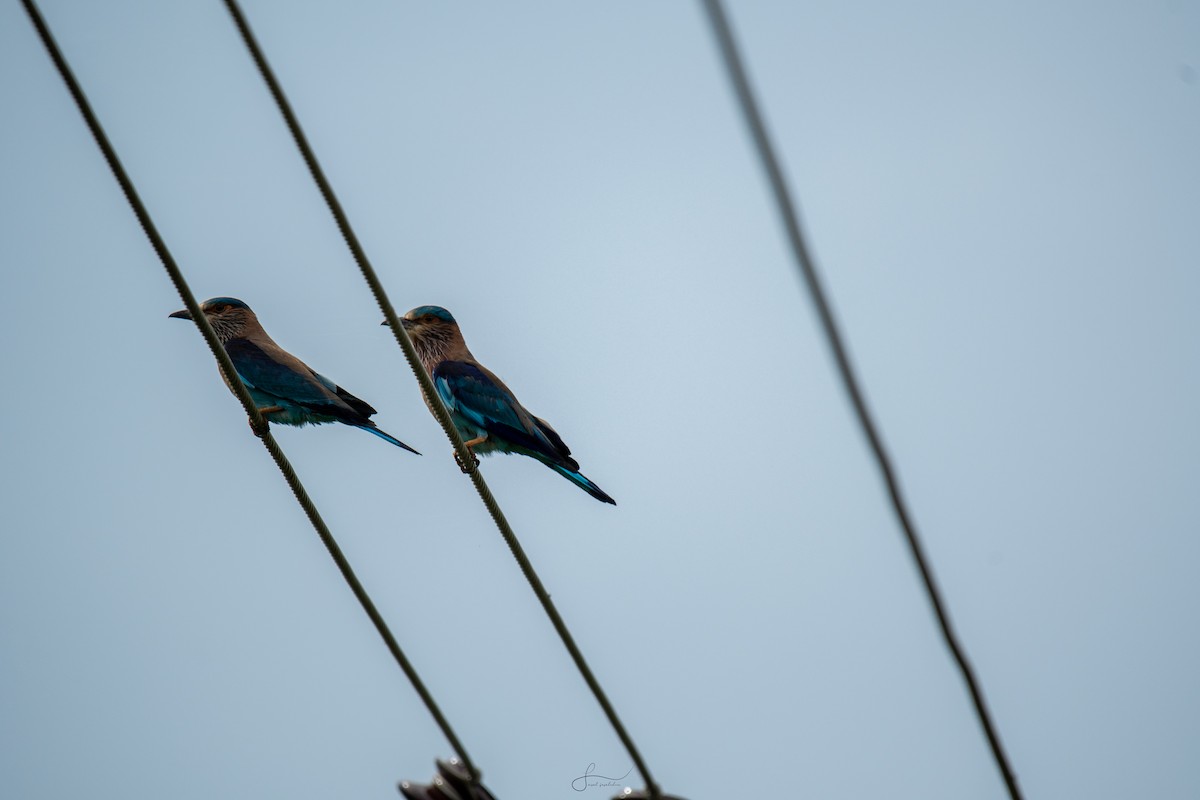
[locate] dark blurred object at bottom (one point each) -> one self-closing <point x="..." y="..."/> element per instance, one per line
<point x="644" y="794"/>
<point x="452" y="782"/>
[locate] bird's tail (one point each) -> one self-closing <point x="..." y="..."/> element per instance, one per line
<point x="580" y="480"/>
<point x="387" y="437"/>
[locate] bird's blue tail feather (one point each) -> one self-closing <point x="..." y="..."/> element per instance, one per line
<point x="387" y="437"/>
<point x="580" y="480"/>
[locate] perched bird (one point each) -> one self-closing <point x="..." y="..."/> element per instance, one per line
<point x="484" y="410"/>
<point x="285" y="389"/>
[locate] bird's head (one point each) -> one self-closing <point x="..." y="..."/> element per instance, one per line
<point x="426" y="317"/>
<point x="431" y="328"/>
<point x="228" y="316"/>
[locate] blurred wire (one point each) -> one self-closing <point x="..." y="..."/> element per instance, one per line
<point x="432" y="397"/>
<point x="804" y="259"/>
<point x="232" y="379"/>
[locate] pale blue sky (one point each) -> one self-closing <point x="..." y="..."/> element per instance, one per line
<point x="1005" y="202"/>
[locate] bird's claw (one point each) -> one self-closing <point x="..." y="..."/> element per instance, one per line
<point x="467" y="470"/>
<point x="260" y="432"/>
<point x="259" y="429"/>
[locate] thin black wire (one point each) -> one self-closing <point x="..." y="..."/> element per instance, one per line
<point x="804" y="259"/>
<point x="232" y="379"/>
<point x="431" y="396"/>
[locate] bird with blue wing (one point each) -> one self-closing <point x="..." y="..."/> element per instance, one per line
<point x="484" y="410"/>
<point x="285" y="389"/>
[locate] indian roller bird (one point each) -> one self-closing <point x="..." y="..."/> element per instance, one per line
<point x="285" y="389"/>
<point x="484" y="410"/>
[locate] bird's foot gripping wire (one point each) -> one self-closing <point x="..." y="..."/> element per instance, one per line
<point x="261" y="430"/>
<point x="452" y="782"/>
<point x="478" y="440"/>
<point x="467" y="469"/>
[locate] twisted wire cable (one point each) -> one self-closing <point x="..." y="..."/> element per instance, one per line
<point x="235" y="382"/>
<point x="431" y="396"/>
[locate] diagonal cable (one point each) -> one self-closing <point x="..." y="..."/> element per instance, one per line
<point x="432" y="397"/>
<point x="232" y="379"/>
<point x="807" y="266"/>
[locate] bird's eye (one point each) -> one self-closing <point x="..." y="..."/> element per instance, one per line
<point x="217" y="309"/>
<point x="430" y="318"/>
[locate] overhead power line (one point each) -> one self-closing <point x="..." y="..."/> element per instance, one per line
<point x="432" y="397"/>
<point x="232" y="379"/>
<point x="808" y="270"/>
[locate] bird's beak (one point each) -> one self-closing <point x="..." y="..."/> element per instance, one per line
<point x="182" y="313"/>
<point x="404" y="323"/>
